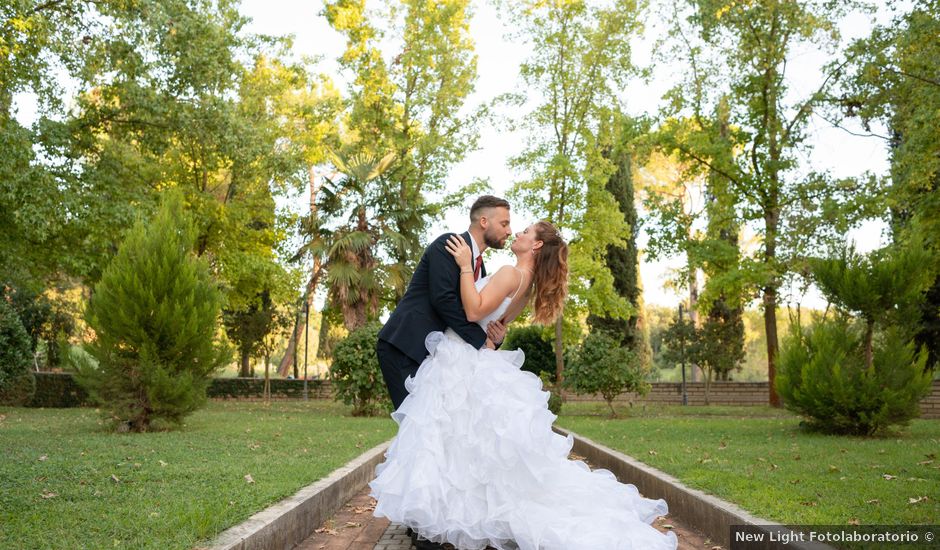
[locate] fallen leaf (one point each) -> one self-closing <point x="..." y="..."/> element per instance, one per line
<point x="48" y="494"/>
<point x="917" y="500"/>
<point x="249" y="479"/>
<point x="794" y="481"/>
<point x="667" y="526"/>
<point x="873" y="501"/>
<point x="353" y="524"/>
<point x="652" y="452"/>
<point x="162" y="463"/>
<point x="115" y="478"/>
<point x="43" y="458"/>
<point x="833" y="469"/>
<point x="889" y="477"/>
<point x="925" y="462"/>
<point x="854" y="521"/>
<point x="809" y="503"/>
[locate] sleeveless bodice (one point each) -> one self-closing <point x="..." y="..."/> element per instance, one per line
<point x="499" y="311"/>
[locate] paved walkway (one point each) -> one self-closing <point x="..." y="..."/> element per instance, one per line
<point x="355" y="528"/>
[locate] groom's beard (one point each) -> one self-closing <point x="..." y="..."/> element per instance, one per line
<point x="493" y="242"/>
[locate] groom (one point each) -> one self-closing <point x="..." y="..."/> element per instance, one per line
<point x="432" y="301"/>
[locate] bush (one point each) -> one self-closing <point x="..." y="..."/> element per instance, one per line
<point x="355" y="373"/>
<point x="155" y="316"/>
<point x="555" y="399"/>
<point x="46" y="325"/>
<point x="537" y="344"/>
<point x="601" y="365"/>
<point x="17" y="384"/>
<point x="823" y="376"/>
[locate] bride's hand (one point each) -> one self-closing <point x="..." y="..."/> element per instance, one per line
<point x="460" y="251"/>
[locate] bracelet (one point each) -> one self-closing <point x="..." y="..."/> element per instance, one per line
<point x="462" y="271"/>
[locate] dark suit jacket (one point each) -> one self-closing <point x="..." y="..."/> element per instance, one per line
<point x="431" y="303"/>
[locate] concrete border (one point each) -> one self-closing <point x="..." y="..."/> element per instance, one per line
<point x="287" y="523"/>
<point x="711" y="515"/>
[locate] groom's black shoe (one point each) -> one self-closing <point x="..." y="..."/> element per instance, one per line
<point x="422" y="544"/>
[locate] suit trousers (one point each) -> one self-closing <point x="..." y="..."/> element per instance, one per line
<point x="396" y="367"/>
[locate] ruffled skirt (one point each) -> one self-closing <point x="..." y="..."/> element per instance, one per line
<point x="476" y="463"/>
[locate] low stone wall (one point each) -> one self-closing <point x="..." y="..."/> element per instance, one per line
<point x="670" y="393"/>
<point x="60" y="390"/>
<point x="728" y="393"/>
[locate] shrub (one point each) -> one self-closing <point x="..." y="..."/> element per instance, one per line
<point x="17" y="384"/>
<point x="601" y="365"/>
<point x="555" y="399"/>
<point x="537" y="344"/>
<point x="824" y="375"/>
<point x="155" y="315"/>
<point x="355" y="373"/>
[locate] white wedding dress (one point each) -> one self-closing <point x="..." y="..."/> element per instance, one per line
<point x="476" y="463"/>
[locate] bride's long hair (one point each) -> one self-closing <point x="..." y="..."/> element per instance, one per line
<point x="550" y="278"/>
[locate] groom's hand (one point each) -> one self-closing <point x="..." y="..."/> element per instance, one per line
<point x="496" y="331"/>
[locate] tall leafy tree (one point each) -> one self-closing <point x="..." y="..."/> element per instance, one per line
<point x="413" y="107"/>
<point x="622" y="260"/>
<point x="893" y="79"/>
<point x="740" y="52"/>
<point x="580" y="60"/>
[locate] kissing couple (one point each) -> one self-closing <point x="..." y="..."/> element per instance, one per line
<point x="475" y="462"/>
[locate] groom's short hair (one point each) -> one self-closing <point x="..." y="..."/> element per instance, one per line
<point x="484" y="202"/>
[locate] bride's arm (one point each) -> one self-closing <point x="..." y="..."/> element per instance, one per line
<point x="478" y="305"/>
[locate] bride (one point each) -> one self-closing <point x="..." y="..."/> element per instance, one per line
<point x="475" y="462"/>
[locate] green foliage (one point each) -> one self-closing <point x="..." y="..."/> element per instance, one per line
<point x="601" y="365"/>
<point x="823" y="376"/>
<point x="555" y="399"/>
<point x="622" y="260"/>
<point x="580" y="61"/>
<point x="16" y="378"/>
<point x="411" y="106"/>
<point x="155" y="317"/>
<point x="536" y="342"/>
<point x="355" y="373"/>
<point x="885" y="287"/>
<point x="750" y="148"/>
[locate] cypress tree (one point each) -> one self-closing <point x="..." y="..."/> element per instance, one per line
<point x="622" y="260"/>
<point x="155" y="316"/>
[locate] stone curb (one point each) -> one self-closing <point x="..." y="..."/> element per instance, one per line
<point x="712" y="516"/>
<point x="290" y="521"/>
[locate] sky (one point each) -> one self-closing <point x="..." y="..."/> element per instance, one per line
<point x="498" y="61"/>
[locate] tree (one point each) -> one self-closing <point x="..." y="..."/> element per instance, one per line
<point x="623" y="261"/>
<point x="885" y="286"/>
<point x="891" y="79"/>
<point x="739" y="54"/>
<point x="411" y="107"/>
<point x="580" y="59"/>
<point x="354" y="275"/>
<point x="155" y="316"/>
<point x="603" y="366"/>
<point x="17" y="383"/>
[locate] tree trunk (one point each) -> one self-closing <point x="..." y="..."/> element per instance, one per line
<point x="245" y="370"/>
<point x="267" y="377"/>
<point x="693" y="313"/>
<point x="770" y="325"/>
<point x="869" y="336"/>
<point x="559" y="351"/>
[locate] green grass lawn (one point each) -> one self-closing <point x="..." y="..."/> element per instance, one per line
<point x="759" y="458"/>
<point x="65" y="482"/>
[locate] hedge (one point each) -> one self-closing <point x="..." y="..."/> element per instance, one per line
<point x="58" y="390"/>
